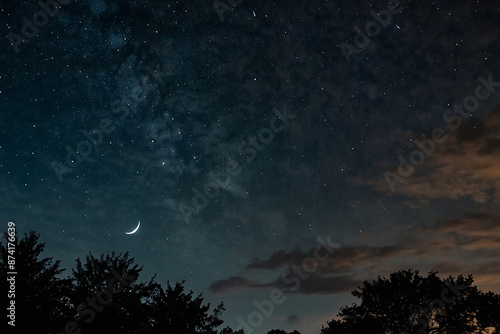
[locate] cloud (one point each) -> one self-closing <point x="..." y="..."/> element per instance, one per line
<point x="453" y="246"/>
<point x="277" y="259"/>
<point x="464" y="165"/>
<point x="473" y="232"/>
<point x="338" y="261"/>
<point x="230" y="286"/>
<point x="334" y="274"/>
<point x="316" y="283"/>
<point x="478" y="224"/>
<point x="313" y="284"/>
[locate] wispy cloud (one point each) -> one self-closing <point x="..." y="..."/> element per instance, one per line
<point x="464" y="165"/>
<point x="464" y="245"/>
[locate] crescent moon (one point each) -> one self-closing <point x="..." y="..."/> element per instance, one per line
<point x="135" y="229"/>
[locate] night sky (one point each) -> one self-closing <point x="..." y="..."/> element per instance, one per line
<point x="243" y="135"/>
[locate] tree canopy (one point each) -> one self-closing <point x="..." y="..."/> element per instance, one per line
<point x="41" y="297"/>
<point x="407" y="303"/>
<point x="103" y="295"/>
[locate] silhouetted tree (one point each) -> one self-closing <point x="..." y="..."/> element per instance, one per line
<point x="280" y="331"/>
<point x="174" y="311"/>
<point x="40" y="300"/>
<point x="409" y="303"/>
<point x="228" y="330"/>
<point x="335" y="327"/>
<point x="488" y="310"/>
<point x="102" y="295"/>
<point x="106" y="296"/>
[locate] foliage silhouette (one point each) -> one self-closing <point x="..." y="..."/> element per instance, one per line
<point x="40" y="297"/>
<point x="106" y="296"/>
<point x="409" y="303"/>
<point x="228" y="330"/>
<point x="174" y="311"/>
<point x="102" y="295"/>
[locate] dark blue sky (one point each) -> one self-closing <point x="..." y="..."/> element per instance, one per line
<point x="239" y="138"/>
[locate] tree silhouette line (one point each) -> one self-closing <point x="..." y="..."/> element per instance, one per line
<point x="103" y="295"/>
